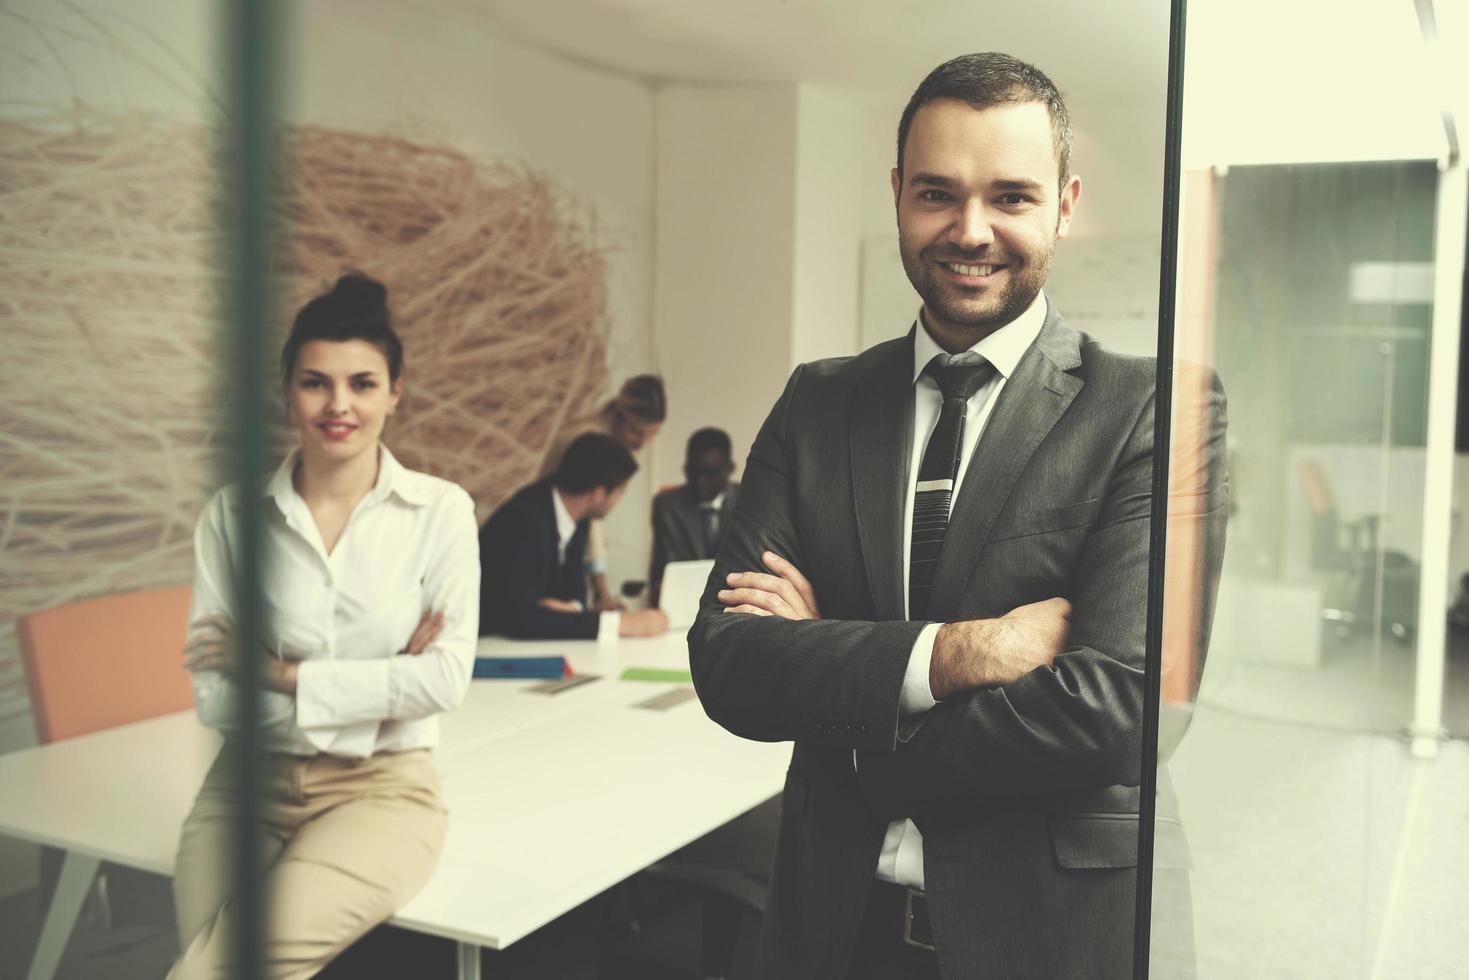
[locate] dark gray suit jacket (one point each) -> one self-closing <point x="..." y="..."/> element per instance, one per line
<point x="1026" y="794"/>
<point x="678" y="528"/>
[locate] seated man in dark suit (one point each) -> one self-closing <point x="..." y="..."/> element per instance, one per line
<point x="689" y="521"/>
<point x="532" y="551"/>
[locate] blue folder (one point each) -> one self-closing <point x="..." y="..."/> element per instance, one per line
<point x="520" y="667"/>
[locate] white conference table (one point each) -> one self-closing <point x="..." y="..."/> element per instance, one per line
<point x="552" y="798"/>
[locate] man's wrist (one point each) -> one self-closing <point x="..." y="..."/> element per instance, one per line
<point x="961" y="655"/>
<point x="944" y="665"/>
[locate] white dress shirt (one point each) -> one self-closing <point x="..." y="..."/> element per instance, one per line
<point x="901" y="860"/>
<point x="410" y="546"/>
<point x="610" y="621"/>
<point x="565" y="525"/>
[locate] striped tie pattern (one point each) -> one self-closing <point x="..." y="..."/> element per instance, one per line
<point x="959" y="376"/>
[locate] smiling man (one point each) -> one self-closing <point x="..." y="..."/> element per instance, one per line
<point x="935" y="584"/>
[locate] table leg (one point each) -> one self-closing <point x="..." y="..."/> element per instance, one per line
<point x="77" y="872"/>
<point x="468" y="961"/>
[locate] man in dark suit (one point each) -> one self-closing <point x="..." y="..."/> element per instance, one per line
<point x="532" y="551"/>
<point x="971" y="505"/>
<point x="689" y="521"/>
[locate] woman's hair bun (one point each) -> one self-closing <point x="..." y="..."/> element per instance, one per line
<point x="355" y="309"/>
<point x="360" y="294"/>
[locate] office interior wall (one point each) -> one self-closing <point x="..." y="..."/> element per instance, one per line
<point x="726" y="252"/>
<point x="830" y="125"/>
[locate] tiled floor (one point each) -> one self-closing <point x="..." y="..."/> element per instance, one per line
<point x="1322" y="848"/>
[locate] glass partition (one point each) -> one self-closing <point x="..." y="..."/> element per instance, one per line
<point x="134" y="152"/>
<point x="1306" y="286"/>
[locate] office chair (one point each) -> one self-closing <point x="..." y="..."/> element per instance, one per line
<point x="96" y="664"/>
<point x="1345" y="553"/>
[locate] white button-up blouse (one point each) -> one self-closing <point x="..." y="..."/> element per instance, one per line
<point x="410" y="546"/>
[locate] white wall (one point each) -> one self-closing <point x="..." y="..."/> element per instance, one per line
<point x="830" y="128"/>
<point x="726" y="191"/>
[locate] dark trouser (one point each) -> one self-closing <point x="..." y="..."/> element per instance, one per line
<point x="882" y="953"/>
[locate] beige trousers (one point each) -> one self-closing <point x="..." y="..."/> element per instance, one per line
<point x="346" y="843"/>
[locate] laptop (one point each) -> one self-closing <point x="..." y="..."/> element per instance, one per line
<point x="683" y="584"/>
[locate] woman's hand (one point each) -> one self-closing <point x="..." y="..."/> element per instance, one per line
<point x="430" y="624"/>
<point x="213" y="647"/>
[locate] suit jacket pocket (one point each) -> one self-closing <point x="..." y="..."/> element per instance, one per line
<point x="1109" y="840"/>
<point x="1064" y="518"/>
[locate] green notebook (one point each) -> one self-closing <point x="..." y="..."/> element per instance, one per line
<point x="657" y="674"/>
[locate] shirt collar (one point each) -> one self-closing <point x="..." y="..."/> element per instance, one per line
<point x="565" y="523"/>
<point x="1003" y="348"/>
<point x="393" y="478"/>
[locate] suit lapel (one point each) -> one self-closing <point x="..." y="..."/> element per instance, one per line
<point x="881" y="445"/>
<point x="551" y="540"/>
<point x="1030" y="405"/>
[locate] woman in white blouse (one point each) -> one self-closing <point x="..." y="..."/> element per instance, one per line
<point x="370" y="589"/>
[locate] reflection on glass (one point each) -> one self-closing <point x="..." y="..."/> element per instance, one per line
<point x="1309" y="288"/>
<point x="1321" y="267"/>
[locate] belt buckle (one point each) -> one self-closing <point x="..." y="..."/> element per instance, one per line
<point x="909" y="895"/>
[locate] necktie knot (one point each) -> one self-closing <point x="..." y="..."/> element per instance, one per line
<point x="959" y="375"/>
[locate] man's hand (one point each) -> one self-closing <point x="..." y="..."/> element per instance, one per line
<point x="560" y="605"/>
<point x="213" y="647"/>
<point x="992" y="652"/>
<point x="644" y="622"/>
<point x="785" y="593"/>
<point x="430" y="624"/>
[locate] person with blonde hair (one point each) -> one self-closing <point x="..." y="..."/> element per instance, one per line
<point x="633" y="417"/>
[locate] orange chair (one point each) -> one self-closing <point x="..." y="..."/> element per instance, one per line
<point x="99" y="663"/>
<point x="90" y="665"/>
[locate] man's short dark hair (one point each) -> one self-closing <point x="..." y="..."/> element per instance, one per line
<point x="706" y="439"/>
<point x="594" y="460"/>
<point x="989" y="79"/>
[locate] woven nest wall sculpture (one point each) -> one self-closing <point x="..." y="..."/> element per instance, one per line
<point x="115" y="407"/>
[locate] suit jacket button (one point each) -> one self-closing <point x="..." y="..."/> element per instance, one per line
<point x="861" y="729"/>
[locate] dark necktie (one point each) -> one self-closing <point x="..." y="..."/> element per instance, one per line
<point x="958" y="377"/>
<point x="710" y="516"/>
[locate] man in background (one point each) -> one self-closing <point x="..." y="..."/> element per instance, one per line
<point x="532" y="551"/>
<point x="689" y="521"/>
